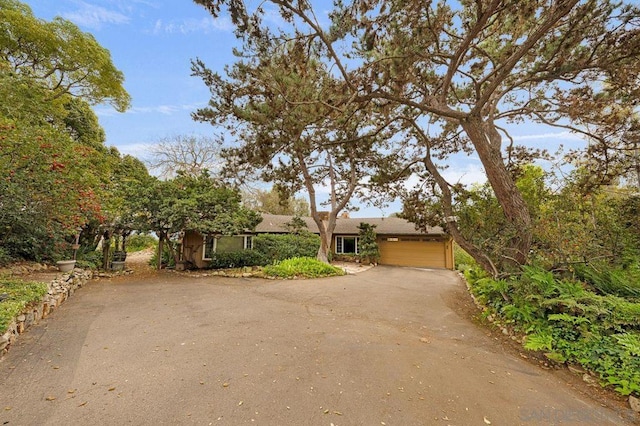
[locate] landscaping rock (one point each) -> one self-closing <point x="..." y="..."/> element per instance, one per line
<point x="58" y="291"/>
<point x="634" y="403"/>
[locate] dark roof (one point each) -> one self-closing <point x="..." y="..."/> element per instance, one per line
<point x="272" y="223"/>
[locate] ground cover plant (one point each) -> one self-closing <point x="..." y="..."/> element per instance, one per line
<point x="569" y="321"/>
<point x="16" y="295"/>
<point x="302" y="267"/>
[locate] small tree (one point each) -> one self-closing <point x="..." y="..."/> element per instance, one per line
<point x="189" y="203"/>
<point x="368" y="244"/>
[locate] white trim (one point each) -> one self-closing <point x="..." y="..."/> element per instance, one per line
<point x="335" y="245"/>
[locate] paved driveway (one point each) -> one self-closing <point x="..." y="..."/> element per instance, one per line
<point x="384" y="347"/>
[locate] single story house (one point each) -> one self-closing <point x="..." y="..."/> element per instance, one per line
<point x="399" y="242"/>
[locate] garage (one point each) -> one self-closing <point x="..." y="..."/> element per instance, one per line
<point x="416" y="252"/>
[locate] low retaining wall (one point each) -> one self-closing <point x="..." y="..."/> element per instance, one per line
<point x="60" y="289"/>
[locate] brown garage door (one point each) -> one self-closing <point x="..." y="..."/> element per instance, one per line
<point x="412" y="252"/>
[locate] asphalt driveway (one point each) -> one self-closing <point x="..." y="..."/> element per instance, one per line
<point x="389" y="346"/>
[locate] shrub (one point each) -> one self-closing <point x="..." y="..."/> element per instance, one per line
<point x="237" y="259"/>
<point x="607" y="280"/>
<point x="368" y="245"/>
<point x="88" y="259"/>
<point x="19" y="295"/>
<point x="304" y="267"/>
<point x="167" y="259"/>
<point x="5" y="258"/>
<point x="570" y="322"/>
<point x="139" y="242"/>
<point x="277" y="247"/>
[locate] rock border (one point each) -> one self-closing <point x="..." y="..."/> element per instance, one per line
<point x="59" y="290"/>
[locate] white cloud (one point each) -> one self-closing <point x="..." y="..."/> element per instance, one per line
<point x="138" y="150"/>
<point x="467" y="175"/>
<point x="157" y="109"/>
<point x="565" y="135"/>
<point x="187" y="26"/>
<point x="93" y="16"/>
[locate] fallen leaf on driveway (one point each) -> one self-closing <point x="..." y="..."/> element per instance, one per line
<point x="112" y="389"/>
<point x="50" y="398"/>
<point x="487" y="421"/>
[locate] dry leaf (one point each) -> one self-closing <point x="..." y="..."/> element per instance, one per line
<point x="83" y="404"/>
<point x="487" y="421"/>
<point x="50" y="398"/>
<point x="112" y="389"/>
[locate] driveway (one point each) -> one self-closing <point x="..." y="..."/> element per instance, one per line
<point x="389" y="346"/>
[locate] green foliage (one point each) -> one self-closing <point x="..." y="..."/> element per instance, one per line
<point x="20" y="295"/>
<point x="462" y="259"/>
<point x="139" y="242"/>
<point x="168" y="260"/>
<point x="302" y="267"/>
<point x="88" y="258"/>
<point x="59" y="57"/>
<point x="570" y="322"/>
<point x="606" y="280"/>
<point x="367" y="243"/>
<point x="277" y="247"/>
<point x="237" y="259"/>
<point x="57" y="173"/>
<point x="276" y="201"/>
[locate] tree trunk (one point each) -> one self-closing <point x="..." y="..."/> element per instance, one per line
<point x="487" y="142"/>
<point x="160" y="249"/>
<point x="106" y="249"/>
<point x="447" y="205"/>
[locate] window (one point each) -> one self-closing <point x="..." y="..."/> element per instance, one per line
<point x="225" y="244"/>
<point x="347" y="245"/>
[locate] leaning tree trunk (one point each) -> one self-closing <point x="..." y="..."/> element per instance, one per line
<point x="487" y="142"/>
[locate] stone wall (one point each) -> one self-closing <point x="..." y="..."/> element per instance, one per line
<point x="60" y="289"/>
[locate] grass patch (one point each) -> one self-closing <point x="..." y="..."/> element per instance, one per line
<point x="302" y="267"/>
<point x="19" y="295"/>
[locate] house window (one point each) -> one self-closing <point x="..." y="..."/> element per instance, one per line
<point x="209" y="247"/>
<point x="225" y="244"/>
<point x="347" y="245"/>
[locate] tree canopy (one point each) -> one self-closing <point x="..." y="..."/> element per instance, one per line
<point x="58" y="57"/>
<point x="453" y="76"/>
<point x="58" y="177"/>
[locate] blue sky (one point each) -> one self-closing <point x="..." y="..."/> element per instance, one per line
<point x="153" y="42"/>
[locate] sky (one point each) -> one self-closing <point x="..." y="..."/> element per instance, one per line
<point x="153" y="43"/>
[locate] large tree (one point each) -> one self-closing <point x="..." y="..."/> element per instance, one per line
<point x="275" y="202"/>
<point x="187" y="202"/>
<point x="457" y="74"/>
<point x="56" y="171"/>
<point x="186" y="154"/>
<point x="58" y="57"/>
<point x="291" y="123"/>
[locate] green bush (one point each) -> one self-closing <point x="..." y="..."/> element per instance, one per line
<point x="5" y="258"/>
<point x="277" y="247"/>
<point x="167" y="259"/>
<point x="87" y="258"/>
<point x="19" y="295"/>
<point x="368" y="244"/>
<point x="304" y="267"/>
<point x="139" y="242"/>
<point x="570" y="323"/>
<point x="237" y="259"/>
<point x="607" y="280"/>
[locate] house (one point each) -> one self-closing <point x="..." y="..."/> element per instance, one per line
<point x="399" y="242"/>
